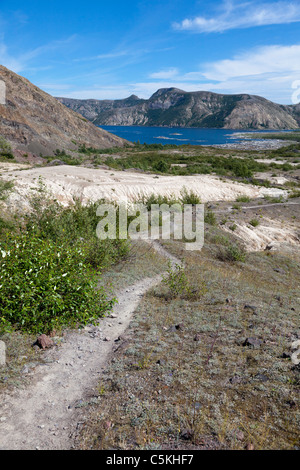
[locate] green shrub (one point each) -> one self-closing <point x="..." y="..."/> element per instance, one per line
<point x="176" y="280"/>
<point x="45" y="286"/>
<point x="5" y="149"/>
<point x="161" y="166"/>
<point x="5" y="188"/>
<point x="189" y="197"/>
<point x="295" y="194"/>
<point x="254" y="222"/>
<point x="243" y="199"/>
<point x="210" y="218"/>
<point x="232" y="253"/>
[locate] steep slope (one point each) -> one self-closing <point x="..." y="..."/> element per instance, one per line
<point x="34" y="121"/>
<point x="173" y="107"/>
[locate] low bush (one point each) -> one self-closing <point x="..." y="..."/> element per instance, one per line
<point x="45" y="286"/>
<point x="232" y="253"/>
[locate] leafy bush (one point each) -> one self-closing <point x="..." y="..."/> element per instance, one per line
<point x="46" y="285"/>
<point x="161" y="166"/>
<point x="243" y="199"/>
<point x="294" y="194"/>
<point x="176" y="280"/>
<point x="5" y="149"/>
<point x="210" y="218"/>
<point x="189" y="197"/>
<point x="232" y="253"/>
<point x="254" y="222"/>
<point x="68" y="225"/>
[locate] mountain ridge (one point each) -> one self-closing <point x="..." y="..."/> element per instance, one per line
<point x="33" y="121"/>
<point x="172" y="107"/>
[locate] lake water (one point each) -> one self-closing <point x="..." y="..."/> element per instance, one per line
<point x="177" y="135"/>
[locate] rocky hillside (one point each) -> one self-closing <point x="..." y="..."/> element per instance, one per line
<point x="33" y="121"/>
<point x="177" y="108"/>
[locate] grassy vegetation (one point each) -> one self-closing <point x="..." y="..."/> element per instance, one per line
<point x="5" y="150"/>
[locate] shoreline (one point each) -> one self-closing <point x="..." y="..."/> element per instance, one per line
<point x="265" y="144"/>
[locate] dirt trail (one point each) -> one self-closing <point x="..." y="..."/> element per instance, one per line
<point x="46" y="414"/>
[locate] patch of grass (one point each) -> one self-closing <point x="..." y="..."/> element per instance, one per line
<point x="254" y="222"/>
<point x="294" y="194"/>
<point x="210" y="218"/>
<point x="243" y="199"/>
<point x="5" y="188"/>
<point x="232" y="253"/>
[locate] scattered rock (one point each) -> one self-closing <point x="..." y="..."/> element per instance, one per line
<point x="240" y="435"/>
<point x="107" y="338"/>
<point x="237" y="380"/>
<point x="2" y="353"/>
<point x="253" y="342"/>
<point x="279" y="270"/>
<point x="55" y="162"/>
<point x="269" y="247"/>
<point x="197" y="337"/>
<point x="262" y="378"/>
<point x="187" y="434"/>
<point x="161" y="362"/>
<point x="251" y="307"/>
<point x="44" y="342"/>
<point x="249" y="446"/>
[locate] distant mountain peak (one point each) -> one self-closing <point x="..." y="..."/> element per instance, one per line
<point x="173" y="107"/>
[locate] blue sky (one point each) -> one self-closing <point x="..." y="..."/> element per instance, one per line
<point x="112" y="49"/>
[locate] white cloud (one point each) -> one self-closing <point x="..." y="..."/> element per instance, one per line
<point x="274" y="59"/>
<point x="165" y="74"/>
<point x="243" y="15"/>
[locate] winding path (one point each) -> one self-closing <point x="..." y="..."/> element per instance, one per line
<point x="46" y="414"/>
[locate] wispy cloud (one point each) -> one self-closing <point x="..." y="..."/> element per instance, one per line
<point x="23" y="61"/>
<point x="275" y="59"/>
<point x="243" y="15"/>
<point x="165" y="74"/>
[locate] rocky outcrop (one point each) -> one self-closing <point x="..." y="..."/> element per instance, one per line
<point x="177" y="108"/>
<point x="33" y="121"/>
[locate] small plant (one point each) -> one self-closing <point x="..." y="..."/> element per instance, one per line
<point x="5" y="149"/>
<point x="295" y="194"/>
<point x="161" y="166"/>
<point x="243" y="198"/>
<point x="5" y="188"/>
<point x="189" y="197"/>
<point x="232" y="253"/>
<point x="254" y="222"/>
<point x="233" y="227"/>
<point x="176" y="280"/>
<point x="210" y="218"/>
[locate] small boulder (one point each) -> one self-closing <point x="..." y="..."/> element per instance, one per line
<point x="253" y="342"/>
<point x="44" y="342"/>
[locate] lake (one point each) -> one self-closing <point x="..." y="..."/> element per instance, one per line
<point x="178" y="135"/>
